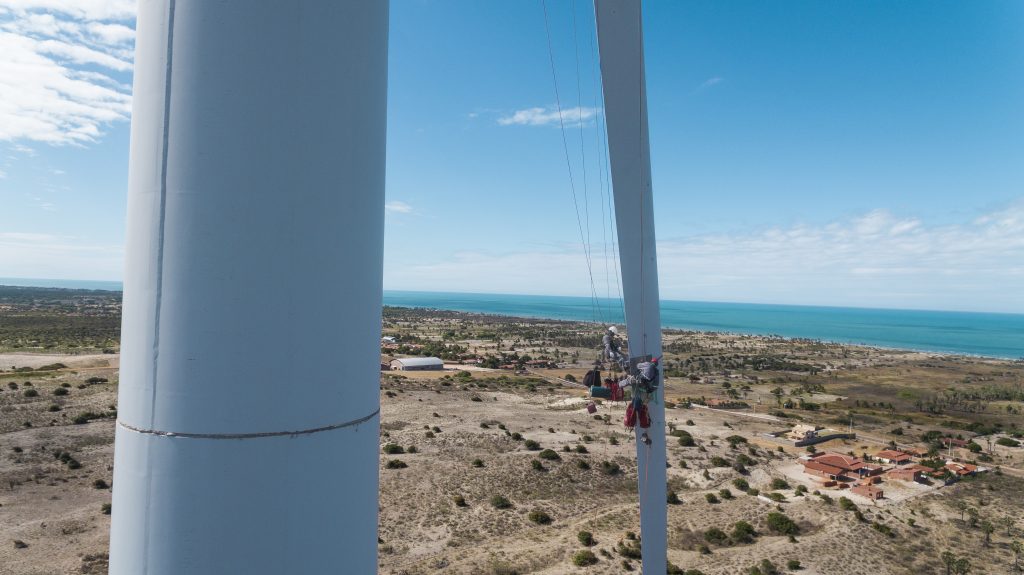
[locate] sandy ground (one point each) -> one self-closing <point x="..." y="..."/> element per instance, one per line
<point x="58" y="511"/>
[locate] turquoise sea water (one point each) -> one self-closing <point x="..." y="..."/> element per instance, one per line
<point x="987" y="334"/>
<point x="66" y="284"/>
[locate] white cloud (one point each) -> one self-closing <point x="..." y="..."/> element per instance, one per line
<point x="397" y="207"/>
<point x="43" y="255"/>
<point x="872" y="260"/>
<point x="711" y="82"/>
<point x="64" y="67"/>
<point x="549" y="116"/>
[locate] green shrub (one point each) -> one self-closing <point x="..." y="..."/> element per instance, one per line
<point x="106" y="508"/>
<point x="61" y="391"/>
<point x="53" y="408"/>
<point x="549" y="454"/>
<point x="581" y="464"/>
<point x="610" y="468"/>
<point x="686" y="441"/>
<point x="539" y="517"/>
<point x="794" y="564"/>
<point x="460" y="501"/>
<point x="396" y="464"/>
<point x="753" y="492"/>
<point x="586" y="538"/>
<point x="781" y="524"/>
<point x="580" y="449"/>
<point x="741" y="484"/>
<point x="846" y="505"/>
<point x="716" y="536"/>
<point x="1007" y="442"/>
<point x="711" y="498"/>
<point x="30" y="393"/>
<point x="725" y="494"/>
<point x="584" y="558"/>
<point x="478" y="463"/>
<point x="778" y="483"/>
<point x="629" y="549"/>
<point x="743" y="532"/>
<point x="536" y="465"/>
<point x="673" y="498"/>
<point x="393" y="449"/>
<point x="735" y="440"/>
<point x="531" y="445"/>
<point x="717" y="461"/>
<point x="776" y="497"/>
<point x="500" y="502"/>
<point x="100" y="484"/>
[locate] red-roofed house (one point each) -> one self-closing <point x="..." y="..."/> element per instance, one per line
<point x="893" y="456"/>
<point x="961" y="469"/>
<point x="869" y="491"/>
<point x="838" y="466"/>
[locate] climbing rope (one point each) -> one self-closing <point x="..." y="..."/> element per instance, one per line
<point x="568" y="164"/>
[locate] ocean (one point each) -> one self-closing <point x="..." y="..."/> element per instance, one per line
<point x="969" y="333"/>
<point x="984" y="334"/>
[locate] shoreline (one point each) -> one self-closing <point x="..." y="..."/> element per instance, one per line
<point x="665" y="329"/>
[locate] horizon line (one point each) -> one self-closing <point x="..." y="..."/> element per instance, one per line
<point x="582" y="297"/>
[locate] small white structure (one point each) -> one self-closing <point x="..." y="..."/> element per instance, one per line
<point x="801" y="432"/>
<point x="417" y="364"/>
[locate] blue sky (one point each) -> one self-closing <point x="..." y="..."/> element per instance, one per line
<point x="831" y="153"/>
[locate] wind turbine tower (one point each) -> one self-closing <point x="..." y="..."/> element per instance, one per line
<point x="248" y="406"/>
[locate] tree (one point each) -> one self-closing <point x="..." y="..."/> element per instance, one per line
<point x="1017" y="547"/>
<point x="1007" y="522"/>
<point x="973" y="520"/>
<point x="948" y="559"/>
<point x="962" y="566"/>
<point x="987" y="528"/>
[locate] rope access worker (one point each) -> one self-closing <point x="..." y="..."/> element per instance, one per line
<point x="612" y="346"/>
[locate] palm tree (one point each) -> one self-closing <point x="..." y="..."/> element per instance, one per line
<point x="962" y="506"/>
<point x="1017" y="547"/>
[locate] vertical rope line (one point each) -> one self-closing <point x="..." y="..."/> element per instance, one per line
<point x="568" y="163"/>
<point x="601" y="184"/>
<point x="605" y="154"/>
<point x="583" y="153"/>
<point x="640" y="165"/>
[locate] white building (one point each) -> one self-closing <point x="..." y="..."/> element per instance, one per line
<point x="417" y="364"/>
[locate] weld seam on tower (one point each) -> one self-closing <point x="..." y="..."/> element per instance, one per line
<point x="256" y="435"/>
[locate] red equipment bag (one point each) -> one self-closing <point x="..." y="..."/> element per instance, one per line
<point x="591" y="407"/>
<point x="645" y="418"/>
<point x="630" y="420"/>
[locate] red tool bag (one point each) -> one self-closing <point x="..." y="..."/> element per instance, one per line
<point x="645" y="418"/>
<point x="637" y="413"/>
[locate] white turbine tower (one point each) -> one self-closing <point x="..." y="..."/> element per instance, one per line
<point x="620" y="37"/>
<point x="248" y="431"/>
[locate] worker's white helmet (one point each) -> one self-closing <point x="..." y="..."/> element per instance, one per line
<point x="614" y="330"/>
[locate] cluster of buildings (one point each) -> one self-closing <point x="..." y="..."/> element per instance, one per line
<point x="864" y="477"/>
